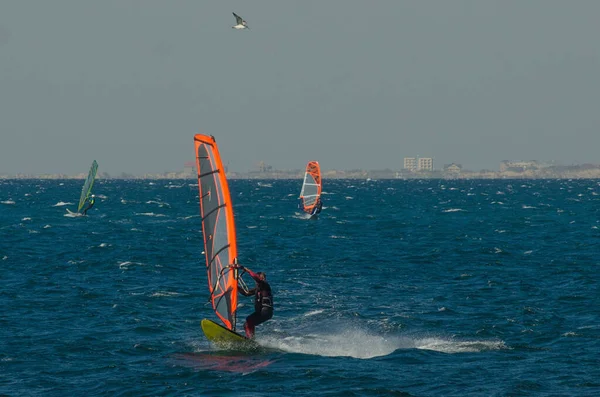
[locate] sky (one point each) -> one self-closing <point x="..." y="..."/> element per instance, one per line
<point x="353" y="84"/>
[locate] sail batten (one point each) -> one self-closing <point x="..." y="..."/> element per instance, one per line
<point x="208" y="173"/>
<point x="311" y="187"/>
<point x="213" y="211"/>
<point x="218" y="229"/>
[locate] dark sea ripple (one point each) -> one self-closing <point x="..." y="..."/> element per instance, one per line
<point x="401" y="288"/>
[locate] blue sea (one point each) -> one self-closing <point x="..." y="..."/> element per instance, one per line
<point x="400" y="288"/>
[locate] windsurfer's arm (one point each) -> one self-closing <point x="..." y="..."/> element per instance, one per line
<point x="250" y="292"/>
<point x="252" y="274"/>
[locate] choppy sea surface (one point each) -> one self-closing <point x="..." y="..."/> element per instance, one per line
<point x="400" y="288"/>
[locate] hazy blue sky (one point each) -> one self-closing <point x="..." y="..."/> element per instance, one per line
<point x="351" y="83"/>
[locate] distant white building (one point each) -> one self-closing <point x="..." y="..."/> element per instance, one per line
<point x="520" y="166"/>
<point x="453" y="169"/>
<point x="418" y="164"/>
<point x="410" y="163"/>
<point x="425" y="164"/>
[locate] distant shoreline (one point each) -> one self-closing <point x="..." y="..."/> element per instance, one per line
<point x="570" y="172"/>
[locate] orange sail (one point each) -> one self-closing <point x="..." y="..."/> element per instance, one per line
<point x="218" y="229"/>
<point x="311" y="188"/>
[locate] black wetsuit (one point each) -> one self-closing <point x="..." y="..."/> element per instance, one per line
<point x="263" y="304"/>
<point x="317" y="208"/>
<point x="90" y="205"/>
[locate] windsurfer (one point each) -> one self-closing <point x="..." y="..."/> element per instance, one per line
<point x="263" y="301"/>
<point x="318" y="207"/>
<point x="91" y="202"/>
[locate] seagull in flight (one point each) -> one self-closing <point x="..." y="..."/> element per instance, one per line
<point x="241" y="24"/>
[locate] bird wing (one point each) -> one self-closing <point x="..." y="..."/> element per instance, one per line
<point x="238" y="18"/>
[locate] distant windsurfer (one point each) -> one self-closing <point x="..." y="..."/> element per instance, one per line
<point x="91" y="202"/>
<point x="263" y="301"/>
<point x="318" y="207"/>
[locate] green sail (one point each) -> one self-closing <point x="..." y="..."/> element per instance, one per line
<point x="86" y="191"/>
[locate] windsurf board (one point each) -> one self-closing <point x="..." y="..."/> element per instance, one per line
<point x="224" y="337"/>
